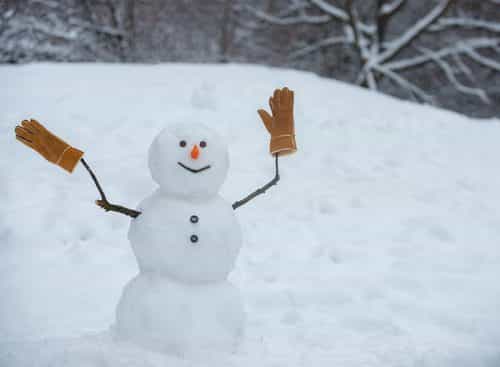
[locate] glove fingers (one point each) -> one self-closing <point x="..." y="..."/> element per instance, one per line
<point x="38" y="129"/>
<point x="277" y="97"/>
<point x="266" y="119"/>
<point x="25" y="141"/>
<point x="25" y="124"/>
<point x="286" y="97"/>
<point x="272" y="106"/>
<point x="36" y="125"/>
<point x="25" y="133"/>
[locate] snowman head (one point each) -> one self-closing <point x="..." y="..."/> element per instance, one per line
<point x="188" y="160"/>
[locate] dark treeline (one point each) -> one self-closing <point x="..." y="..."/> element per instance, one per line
<point x="445" y="52"/>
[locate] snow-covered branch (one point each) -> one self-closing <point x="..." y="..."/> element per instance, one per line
<point x="482" y="60"/>
<point x="353" y="22"/>
<point x="289" y="20"/>
<point x="32" y="24"/>
<point x="6" y="16"/>
<point x="321" y="44"/>
<point x="95" y="27"/>
<point x="450" y="75"/>
<point x="405" y="84"/>
<point x="464" y="68"/>
<point x="340" y="14"/>
<point x="470" y="23"/>
<point x="459" y="48"/>
<point x="404" y="40"/>
<point x="63" y="33"/>
<point x="331" y="10"/>
<point x="297" y="5"/>
<point x="371" y="81"/>
<point x="391" y="8"/>
<point x="380" y="58"/>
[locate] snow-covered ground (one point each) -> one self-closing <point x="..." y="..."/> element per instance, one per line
<point x="379" y="247"/>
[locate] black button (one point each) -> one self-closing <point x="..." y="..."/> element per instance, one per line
<point x="194" y="238"/>
<point x="194" y="219"/>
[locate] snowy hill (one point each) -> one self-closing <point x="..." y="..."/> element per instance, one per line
<point x="379" y="247"/>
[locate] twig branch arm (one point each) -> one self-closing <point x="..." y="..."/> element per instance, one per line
<point x="94" y="178"/>
<point x="104" y="203"/>
<point x="262" y="189"/>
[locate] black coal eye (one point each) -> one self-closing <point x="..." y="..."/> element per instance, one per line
<point x="203" y="143"/>
<point x="182" y="143"/>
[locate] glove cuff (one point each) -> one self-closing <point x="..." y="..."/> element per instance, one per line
<point x="69" y="158"/>
<point x="283" y="144"/>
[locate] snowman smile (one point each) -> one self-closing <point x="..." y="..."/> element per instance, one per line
<point x="192" y="169"/>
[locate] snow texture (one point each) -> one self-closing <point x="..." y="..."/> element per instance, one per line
<point x="379" y="246"/>
<point x="178" y="318"/>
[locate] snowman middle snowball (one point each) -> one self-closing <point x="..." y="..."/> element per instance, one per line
<point x="186" y="230"/>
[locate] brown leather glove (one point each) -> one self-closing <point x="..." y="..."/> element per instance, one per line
<point x="280" y="125"/>
<point x="53" y="149"/>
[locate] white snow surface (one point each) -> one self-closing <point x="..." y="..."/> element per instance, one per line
<point x="379" y="246"/>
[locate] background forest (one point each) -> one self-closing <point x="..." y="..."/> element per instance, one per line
<point x="444" y="52"/>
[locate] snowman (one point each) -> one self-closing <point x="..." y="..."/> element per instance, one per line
<point x="185" y="236"/>
<point x="186" y="241"/>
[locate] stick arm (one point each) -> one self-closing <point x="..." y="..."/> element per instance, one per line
<point x="104" y="203"/>
<point x="262" y="189"/>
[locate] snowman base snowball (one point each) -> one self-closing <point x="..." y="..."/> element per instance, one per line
<point x="167" y="316"/>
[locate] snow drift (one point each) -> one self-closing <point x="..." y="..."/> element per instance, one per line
<point x="378" y="247"/>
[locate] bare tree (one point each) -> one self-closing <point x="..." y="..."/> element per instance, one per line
<point x="385" y="55"/>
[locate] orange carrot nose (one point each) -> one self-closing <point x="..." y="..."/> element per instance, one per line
<point x="195" y="152"/>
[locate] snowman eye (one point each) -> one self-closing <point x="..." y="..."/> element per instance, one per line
<point x="182" y="143"/>
<point x="203" y="143"/>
